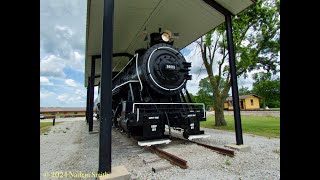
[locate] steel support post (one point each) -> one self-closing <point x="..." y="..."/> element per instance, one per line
<point x="106" y="91"/>
<point x="93" y="65"/>
<point x="87" y="107"/>
<point x="234" y="83"/>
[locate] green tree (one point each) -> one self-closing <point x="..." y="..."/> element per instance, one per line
<point x="244" y="91"/>
<point x="267" y="88"/>
<point x="193" y="97"/>
<point x="205" y="95"/>
<point x="256" y="36"/>
<point x="205" y="85"/>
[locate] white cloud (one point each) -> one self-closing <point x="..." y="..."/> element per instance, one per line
<point x="68" y="99"/>
<point x="248" y="82"/>
<point x="71" y="82"/>
<point x="81" y="92"/>
<point x="45" y="81"/>
<point x="76" y="61"/>
<point x="63" y="32"/>
<point x="62" y="48"/>
<point x="245" y="82"/>
<point x="52" y="66"/>
<point x="193" y="86"/>
<point x="78" y="56"/>
<point x="196" y="64"/>
<point x="191" y="46"/>
<point x="63" y="97"/>
<point x="64" y="93"/>
<point x="45" y="94"/>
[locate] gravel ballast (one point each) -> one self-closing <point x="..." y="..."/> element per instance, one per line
<point x="69" y="147"/>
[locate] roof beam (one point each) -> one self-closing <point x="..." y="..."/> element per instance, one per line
<point x="115" y="55"/>
<point x="218" y="7"/>
<point x="113" y="74"/>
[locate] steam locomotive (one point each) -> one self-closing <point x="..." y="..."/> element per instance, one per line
<point x="150" y="92"/>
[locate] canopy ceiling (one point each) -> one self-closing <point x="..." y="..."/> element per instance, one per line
<point x="190" y="18"/>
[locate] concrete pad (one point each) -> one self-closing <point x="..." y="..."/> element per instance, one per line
<point x="150" y="160"/>
<point x="161" y="167"/>
<point x="117" y="173"/>
<point x="241" y="148"/>
<point x="94" y="132"/>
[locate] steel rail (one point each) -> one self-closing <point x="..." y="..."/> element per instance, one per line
<point x="170" y="157"/>
<point x="220" y="150"/>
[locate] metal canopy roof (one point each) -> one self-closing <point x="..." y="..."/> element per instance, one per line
<point x="190" y="18"/>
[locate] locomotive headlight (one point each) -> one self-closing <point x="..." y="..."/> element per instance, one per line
<point x="166" y="36"/>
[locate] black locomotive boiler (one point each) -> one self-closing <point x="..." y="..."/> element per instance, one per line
<point x="150" y="92"/>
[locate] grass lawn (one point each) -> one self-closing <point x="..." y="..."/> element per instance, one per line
<point x="267" y="126"/>
<point x="45" y="126"/>
<point x="274" y="109"/>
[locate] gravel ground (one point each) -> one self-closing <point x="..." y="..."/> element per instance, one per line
<point x="77" y="151"/>
<point x="252" y="113"/>
<point x="68" y="119"/>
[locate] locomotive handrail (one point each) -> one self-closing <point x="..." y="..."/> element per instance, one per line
<point x="204" y="115"/>
<point x="124" y="84"/>
<point x="138" y="72"/>
<point x="125" y="66"/>
<point x="135" y="56"/>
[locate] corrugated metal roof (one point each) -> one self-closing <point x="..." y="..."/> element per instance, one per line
<point x="190" y="18"/>
<point x="61" y="109"/>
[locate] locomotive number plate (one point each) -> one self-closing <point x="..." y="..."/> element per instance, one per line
<point x="170" y="67"/>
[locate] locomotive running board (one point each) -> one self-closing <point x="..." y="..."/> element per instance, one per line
<point x="198" y="136"/>
<point x="153" y="142"/>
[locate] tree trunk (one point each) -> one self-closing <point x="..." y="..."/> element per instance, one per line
<point x="218" y="112"/>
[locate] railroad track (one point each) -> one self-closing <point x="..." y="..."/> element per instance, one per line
<point x="219" y="150"/>
<point x="181" y="162"/>
<point x="168" y="156"/>
<point x="173" y="159"/>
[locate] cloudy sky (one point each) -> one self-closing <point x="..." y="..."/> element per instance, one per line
<point x="62" y="50"/>
<point x="62" y="47"/>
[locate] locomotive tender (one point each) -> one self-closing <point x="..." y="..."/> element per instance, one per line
<point x="150" y="92"/>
